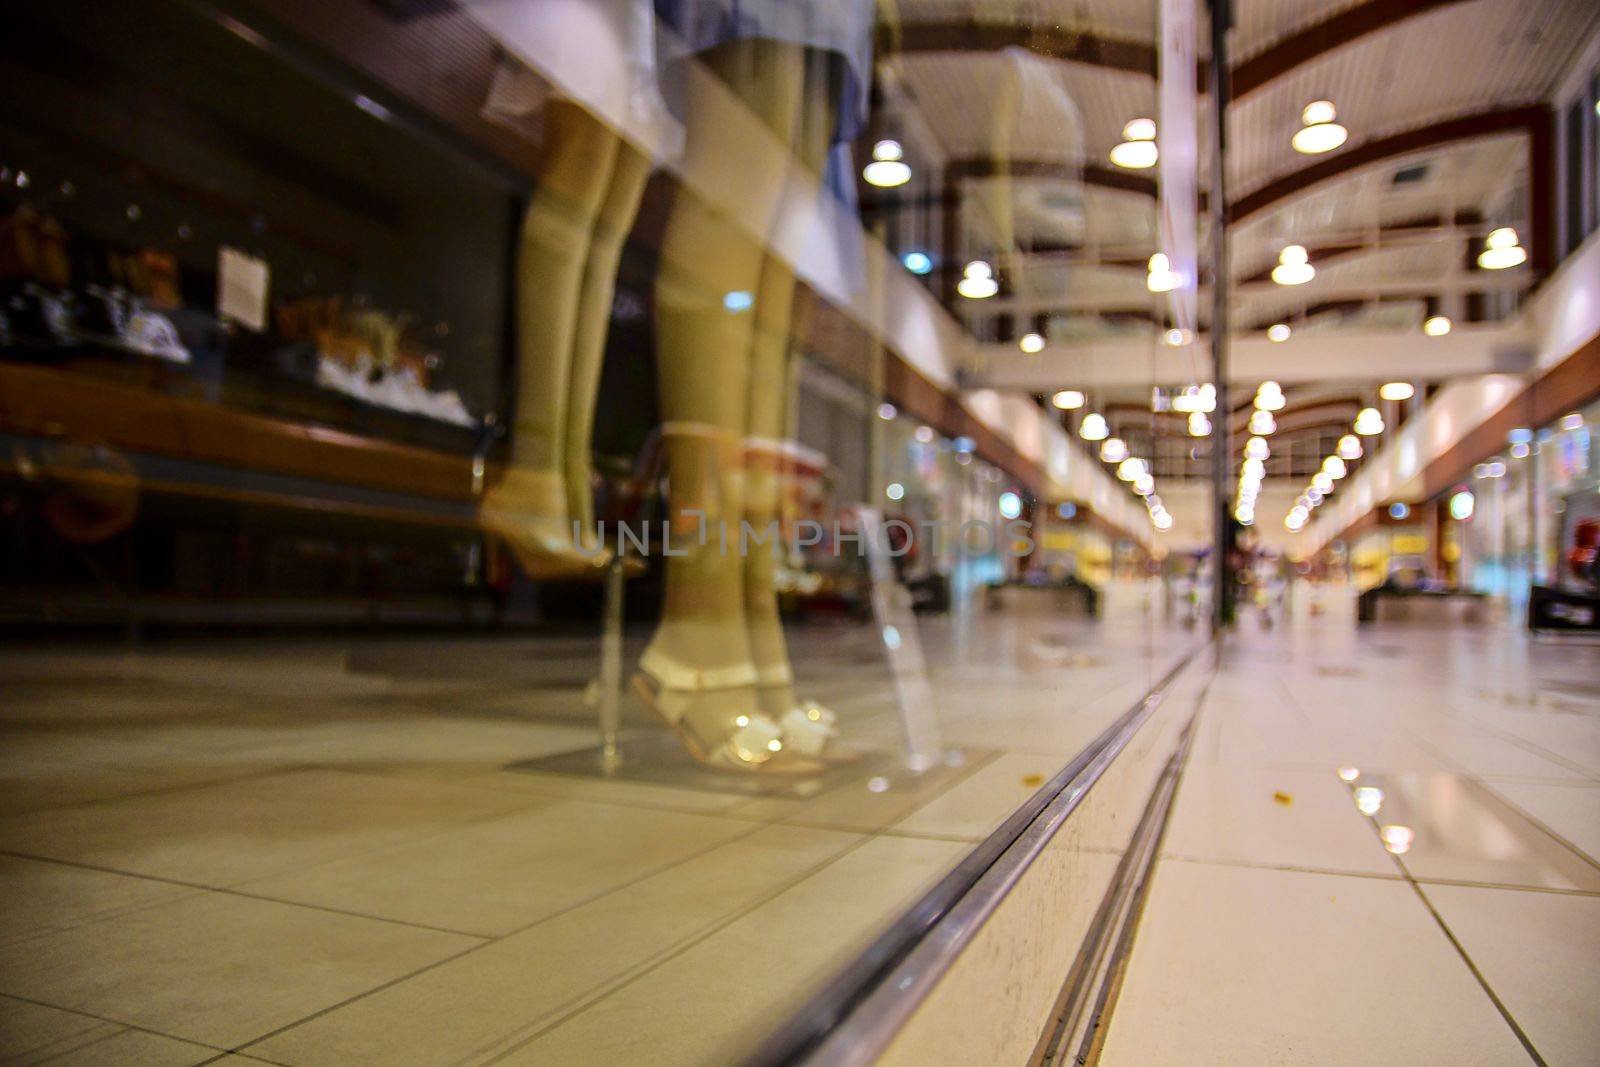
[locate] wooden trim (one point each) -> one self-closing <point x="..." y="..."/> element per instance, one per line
<point x="1565" y="387"/>
<point x="45" y="402"/>
<point x="1525" y="120"/>
<point x="1316" y="41"/>
<point x="1048" y="40"/>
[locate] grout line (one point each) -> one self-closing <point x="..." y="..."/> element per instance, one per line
<point x="1483" y="982"/>
<point x="645" y="876"/>
<point x="1295" y="868"/>
<point x="124" y="1026"/>
<point x="200" y="889"/>
<point x="705" y="934"/>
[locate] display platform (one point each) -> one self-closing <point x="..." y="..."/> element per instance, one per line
<point x="657" y="757"/>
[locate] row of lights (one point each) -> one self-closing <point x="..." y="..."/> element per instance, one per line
<point x="1433" y="326"/>
<point x="1368" y="423"/>
<point x="1130" y="468"/>
<point x="1319" y="133"/>
<point x="1269" y="398"/>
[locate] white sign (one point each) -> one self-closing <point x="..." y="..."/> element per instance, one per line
<point x="242" y="281"/>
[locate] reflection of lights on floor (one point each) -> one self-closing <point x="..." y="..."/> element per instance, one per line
<point x="878" y="785"/>
<point x="1369" y="798"/>
<point x="1349" y="774"/>
<point x="1397" y="839"/>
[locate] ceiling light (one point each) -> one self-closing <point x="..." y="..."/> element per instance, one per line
<point x="1334" y="467"/>
<point x="887" y="411"/>
<point x="977" y="281"/>
<point x="1293" y="266"/>
<point x="1177" y="337"/>
<point x="1369" y="422"/>
<point x="1494" y="469"/>
<point x="1130" y="469"/>
<point x="1138" y="149"/>
<point x="1397" y="390"/>
<point x="1257" y="448"/>
<point x="1199" y="425"/>
<point x="1162" y="520"/>
<point x="1278" y="331"/>
<point x="1349" y="447"/>
<point x="1068" y="399"/>
<point x="917" y="262"/>
<point x="1322" y="482"/>
<point x="1114" y="450"/>
<point x="1501" y="250"/>
<point x="1160" y="278"/>
<point x="887" y="168"/>
<point x="1436" y="326"/>
<point x="924" y="434"/>
<point x="1262" y="423"/>
<point x="1320" y="133"/>
<point x="1031" y="343"/>
<point x="1093" y="427"/>
<point x="1269" y="401"/>
<point x="1144" y="485"/>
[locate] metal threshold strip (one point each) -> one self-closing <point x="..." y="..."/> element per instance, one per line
<point x="1077" y="1022"/>
<point x="852" y="1019"/>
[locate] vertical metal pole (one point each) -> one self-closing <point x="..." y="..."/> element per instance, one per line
<point x="611" y="665"/>
<point x="1219" y="86"/>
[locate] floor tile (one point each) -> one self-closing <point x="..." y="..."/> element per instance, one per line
<point x="1238" y="966"/>
<point x="32" y="1032"/>
<point x="1278" y="818"/>
<point x="1570" y="811"/>
<point x="1461" y="831"/>
<point x="1540" y="953"/>
<point x="711" y="1003"/>
<point x="39" y="895"/>
<point x="136" y="1048"/>
<point x="233" y="831"/>
<point x="973" y="807"/>
<point x="217" y="968"/>
<point x="498" y="994"/>
<point x="495" y="875"/>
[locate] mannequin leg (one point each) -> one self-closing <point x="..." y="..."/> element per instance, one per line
<point x="700" y="657"/>
<point x="630" y="169"/>
<point x="528" y="507"/>
<point x="768" y="411"/>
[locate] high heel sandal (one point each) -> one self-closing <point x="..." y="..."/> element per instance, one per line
<point x="808" y="728"/>
<point x="754" y="743"/>
<point x="518" y="509"/>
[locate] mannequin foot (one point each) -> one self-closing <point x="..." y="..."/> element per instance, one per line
<point x="714" y="712"/>
<point x="527" y="509"/>
<point x="809" y="729"/>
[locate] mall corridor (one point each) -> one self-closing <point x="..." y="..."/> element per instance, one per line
<point x="800" y="533"/>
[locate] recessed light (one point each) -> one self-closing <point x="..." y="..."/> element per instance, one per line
<point x="1397" y="390"/>
<point x="1436" y="326"/>
<point x="1278" y="331"/>
<point x="1031" y="343"/>
<point x="1138" y="149"/>
<point x="1068" y="399"/>
<point x="1294" y="267"/>
<point x="887" y="168"/>
<point x="1320" y="133"/>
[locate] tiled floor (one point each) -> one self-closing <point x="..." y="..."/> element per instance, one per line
<point x="313" y="852"/>
<point x="1282" y="929"/>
